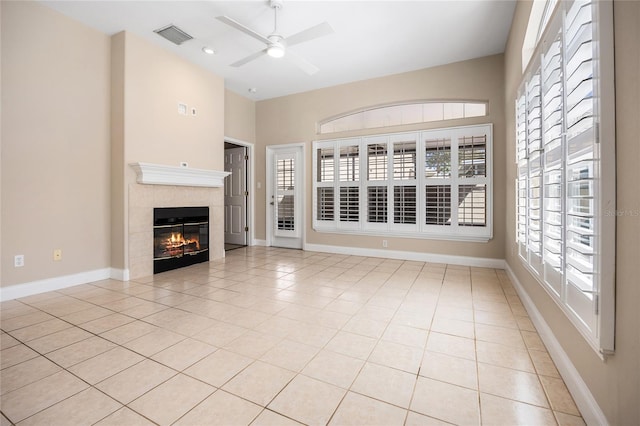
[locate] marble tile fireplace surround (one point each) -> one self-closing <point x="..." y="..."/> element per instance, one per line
<point x="168" y="186"/>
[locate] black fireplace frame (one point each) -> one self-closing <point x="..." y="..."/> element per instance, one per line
<point x="175" y="216"/>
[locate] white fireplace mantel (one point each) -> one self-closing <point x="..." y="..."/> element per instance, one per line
<point x="158" y="174"/>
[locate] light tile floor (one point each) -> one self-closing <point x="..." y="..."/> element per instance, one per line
<point x="281" y="337"/>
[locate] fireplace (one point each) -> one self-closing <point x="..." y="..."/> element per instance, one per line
<point x="180" y="237"/>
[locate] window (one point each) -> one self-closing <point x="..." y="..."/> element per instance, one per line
<point x="563" y="158"/>
<point x="396" y="115"/>
<point x="472" y="203"/>
<point x="429" y="184"/>
<point x="549" y="7"/>
<point x="539" y="17"/>
<point x="377" y="204"/>
<point x="404" y="179"/>
<point x="438" y="204"/>
<point x="325" y="204"/>
<point x="285" y="193"/>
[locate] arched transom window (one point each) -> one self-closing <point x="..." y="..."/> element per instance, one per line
<point x="402" y="114"/>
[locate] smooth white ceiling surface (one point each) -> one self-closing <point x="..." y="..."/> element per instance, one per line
<point x="371" y="38"/>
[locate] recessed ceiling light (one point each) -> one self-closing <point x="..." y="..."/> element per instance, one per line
<point x="208" y="50"/>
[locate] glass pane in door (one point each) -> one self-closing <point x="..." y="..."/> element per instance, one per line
<point x="285" y="194"/>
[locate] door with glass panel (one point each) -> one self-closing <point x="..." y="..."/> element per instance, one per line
<point x="284" y="196"/>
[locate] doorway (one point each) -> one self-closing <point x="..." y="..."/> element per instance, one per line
<point x="237" y="211"/>
<point x="285" y="184"/>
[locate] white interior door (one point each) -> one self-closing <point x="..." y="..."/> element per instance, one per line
<point x="284" y="198"/>
<point x="235" y="196"/>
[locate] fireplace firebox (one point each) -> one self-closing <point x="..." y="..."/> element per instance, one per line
<point x="180" y="237"/>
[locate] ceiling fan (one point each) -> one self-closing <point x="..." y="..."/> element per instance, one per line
<point x="277" y="44"/>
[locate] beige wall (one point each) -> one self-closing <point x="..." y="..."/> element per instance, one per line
<point x="239" y="117"/>
<point x="55" y="144"/>
<point x="118" y="214"/>
<point x="77" y="108"/>
<point x="155" y="82"/>
<point x="293" y="119"/>
<point x="615" y="383"/>
<point x="147" y="85"/>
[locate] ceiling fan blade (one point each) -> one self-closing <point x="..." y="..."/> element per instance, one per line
<point x="301" y="63"/>
<point x="317" y="31"/>
<point x="249" y="58"/>
<point x="238" y="26"/>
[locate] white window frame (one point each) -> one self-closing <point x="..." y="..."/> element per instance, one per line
<point x="591" y="311"/>
<point x="419" y="229"/>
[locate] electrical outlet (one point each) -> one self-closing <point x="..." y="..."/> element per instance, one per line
<point x="384" y="243"/>
<point x="57" y="254"/>
<point x="18" y="261"/>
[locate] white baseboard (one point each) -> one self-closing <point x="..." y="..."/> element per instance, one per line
<point x="120" y="274"/>
<point x="481" y="262"/>
<point x="589" y="408"/>
<point x="260" y="243"/>
<point x="51" y="284"/>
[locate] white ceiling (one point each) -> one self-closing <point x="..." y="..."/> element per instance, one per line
<point x="371" y="38"/>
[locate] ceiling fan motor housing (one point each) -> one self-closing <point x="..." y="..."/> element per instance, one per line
<point x="276" y="39"/>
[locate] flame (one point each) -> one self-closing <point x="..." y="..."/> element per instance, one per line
<point x="177" y="241"/>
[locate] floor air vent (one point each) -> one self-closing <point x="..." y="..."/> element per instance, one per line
<point x="173" y="34"/>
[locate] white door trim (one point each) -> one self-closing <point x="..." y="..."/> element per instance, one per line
<point x="250" y="186"/>
<point x="301" y="192"/>
<point x="236" y="194"/>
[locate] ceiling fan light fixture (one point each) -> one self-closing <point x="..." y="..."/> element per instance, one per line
<point x="275" y="50"/>
<point x="276" y="45"/>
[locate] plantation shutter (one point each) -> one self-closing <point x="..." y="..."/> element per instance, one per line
<point x="437" y="174"/>
<point x="325" y="170"/>
<point x="428" y="184"/>
<point x="582" y="162"/>
<point x="534" y="153"/>
<point x="522" y="175"/>
<point x="404" y="180"/>
<point x="472" y="169"/>
<point x="377" y="183"/>
<point x="552" y="111"/>
<point x="565" y="176"/>
<point x="349" y="183"/>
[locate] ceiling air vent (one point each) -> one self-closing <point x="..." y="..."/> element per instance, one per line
<point x="173" y="34"/>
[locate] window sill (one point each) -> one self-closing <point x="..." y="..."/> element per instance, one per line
<point x="601" y="352"/>
<point x="405" y="234"/>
